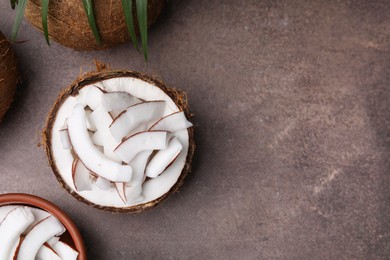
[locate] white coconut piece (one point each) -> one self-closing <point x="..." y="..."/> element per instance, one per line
<point x="39" y="234"/>
<point x="121" y="190"/>
<point x="4" y="210"/>
<point x="138" y="165"/>
<point x="52" y="241"/>
<point x="103" y="184"/>
<point x="134" y="187"/>
<point x="102" y="120"/>
<point x="97" y="138"/>
<point x="64" y="135"/>
<point x="92" y="158"/>
<point x="163" y="158"/>
<point x="91" y="96"/>
<point x="118" y="101"/>
<point x="81" y="176"/>
<point x="134" y="194"/>
<point x="13" y="225"/>
<point x="136" y="117"/>
<point x="46" y="252"/>
<point x="172" y="123"/>
<point x="65" y="251"/>
<point x="90" y="125"/>
<point x="39" y="215"/>
<point x="143" y="141"/>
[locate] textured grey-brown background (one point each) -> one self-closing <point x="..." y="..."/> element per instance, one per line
<point x="293" y="129"/>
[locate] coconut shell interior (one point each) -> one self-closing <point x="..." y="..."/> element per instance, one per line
<point x="68" y="24"/>
<point x="8" y="75"/>
<point x="180" y="99"/>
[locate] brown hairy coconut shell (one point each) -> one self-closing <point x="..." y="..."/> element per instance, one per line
<point x="8" y="75"/>
<point x="68" y="24"/>
<point x="179" y="97"/>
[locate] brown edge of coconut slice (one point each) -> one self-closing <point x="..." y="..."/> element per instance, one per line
<point x="178" y="96"/>
<point x="120" y="188"/>
<point x="22" y="237"/>
<point x="49" y="247"/>
<point x="78" y="176"/>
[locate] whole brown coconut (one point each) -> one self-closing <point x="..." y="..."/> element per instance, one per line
<point x="68" y="24"/>
<point x="8" y="75"/>
<point x="103" y="73"/>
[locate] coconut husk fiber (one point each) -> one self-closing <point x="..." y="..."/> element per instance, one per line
<point x="8" y="75"/>
<point x="68" y="24"/>
<point x="180" y="99"/>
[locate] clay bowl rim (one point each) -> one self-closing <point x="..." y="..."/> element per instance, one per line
<point x="35" y="201"/>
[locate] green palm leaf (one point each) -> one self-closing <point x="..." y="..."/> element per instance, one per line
<point x="128" y="12"/>
<point x="88" y="7"/>
<point x="142" y="14"/>
<point x="45" y="10"/>
<point x="20" y="7"/>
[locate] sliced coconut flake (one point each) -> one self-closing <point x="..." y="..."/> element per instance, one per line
<point x="90" y="125"/>
<point x="136" y="117"/>
<point x="121" y="190"/>
<point x="65" y="141"/>
<point x="39" y="215"/>
<point x="13" y="225"/>
<point x="102" y="120"/>
<point x="163" y="158"/>
<point x="174" y="122"/>
<point x="91" y="96"/>
<point x="97" y="138"/>
<point x="47" y="253"/>
<point x="92" y="158"/>
<point x="81" y="176"/>
<point x="65" y="251"/>
<point x="39" y="234"/>
<point x="118" y="101"/>
<point x="52" y="241"/>
<point x="103" y="184"/>
<point x="138" y="165"/>
<point x="134" y="193"/>
<point x="143" y="141"/>
<point x="134" y="187"/>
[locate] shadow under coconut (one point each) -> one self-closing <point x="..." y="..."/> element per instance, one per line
<point x="170" y="8"/>
<point x="162" y="22"/>
<point x="16" y="108"/>
<point x="92" y="241"/>
<point x="377" y="95"/>
<point x="25" y="69"/>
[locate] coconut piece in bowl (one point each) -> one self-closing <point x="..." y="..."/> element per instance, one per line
<point x="120" y="140"/>
<point x="31" y="233"/>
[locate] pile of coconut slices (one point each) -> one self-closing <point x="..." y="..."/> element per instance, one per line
<point x="119" y="141"/>
<point x="31" y="233"/>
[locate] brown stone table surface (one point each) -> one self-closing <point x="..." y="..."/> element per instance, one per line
<point x="291" y="102"/>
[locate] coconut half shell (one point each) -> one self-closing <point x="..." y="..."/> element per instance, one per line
<point x="68" y="24"/>
<point x="8" y="75"/>
<point x="179" y="98"/>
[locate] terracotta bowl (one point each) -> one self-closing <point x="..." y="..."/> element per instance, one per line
<point x="72" y="236"/>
